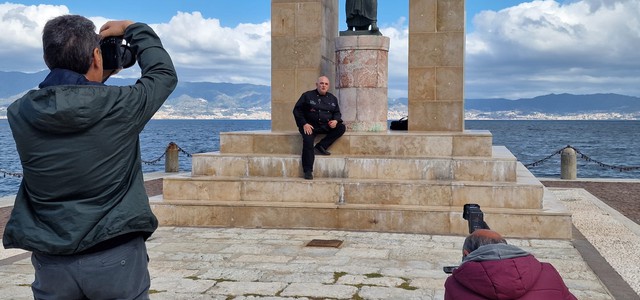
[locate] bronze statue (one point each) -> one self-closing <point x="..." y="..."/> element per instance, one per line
<point x="361" y="14"/>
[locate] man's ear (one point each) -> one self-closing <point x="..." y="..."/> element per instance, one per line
<point x="95" y="69"/>
<point x="465" y="252"/>
<point x="97" y="57"/>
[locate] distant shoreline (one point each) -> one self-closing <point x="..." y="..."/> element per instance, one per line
<point x="564" y="118"/>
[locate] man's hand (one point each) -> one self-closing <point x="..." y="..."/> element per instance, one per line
<point x="333" y="123"/>
<point x="308" y="129"/>
<point x="114" y="28"/>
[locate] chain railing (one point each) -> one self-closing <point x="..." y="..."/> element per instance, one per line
<point x="174" y="147"/>
<point x="171" y="145"/>
<point x="585" y="158"/>
<point x="164" y="153"/>
<point x="6" y="173"/>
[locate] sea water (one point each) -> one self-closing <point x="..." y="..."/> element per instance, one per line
<point x="609" y="144"/>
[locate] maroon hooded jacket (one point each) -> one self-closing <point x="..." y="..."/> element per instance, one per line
<point x="501" y="271"/>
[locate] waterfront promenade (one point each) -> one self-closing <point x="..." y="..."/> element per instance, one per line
<point x="600" y="262"/>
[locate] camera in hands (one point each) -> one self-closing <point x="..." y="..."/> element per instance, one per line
<point x="449" y="269"/>
<point x="116" y="55"/>
<point x="475" y="218"/>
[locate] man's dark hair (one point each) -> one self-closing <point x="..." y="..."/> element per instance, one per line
<point x="481" y="237"/>
<point x="68" y="42"/>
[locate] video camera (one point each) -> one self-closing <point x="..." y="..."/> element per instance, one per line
<point x="116" y="55"/>
<point x="475" y="218"/>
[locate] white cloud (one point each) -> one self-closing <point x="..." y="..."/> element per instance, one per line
<point x="398" y="34"/>
<point x="205" y="51"/>
<point x="543" y="47"/>
<point x="535" y="48"/>
<point x="21" y="36"/>
<point x="201" y="48"/>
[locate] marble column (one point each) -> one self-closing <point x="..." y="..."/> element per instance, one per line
<point x="362" y="81"/>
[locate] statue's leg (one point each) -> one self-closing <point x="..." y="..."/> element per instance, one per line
<point x="374" y="26"/>
<point x="374" y="15"/>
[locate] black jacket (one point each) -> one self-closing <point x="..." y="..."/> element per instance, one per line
<point x="316" y="109"/>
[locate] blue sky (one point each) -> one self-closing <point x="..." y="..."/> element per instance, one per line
<point x="514" y="49"/>
<point x="231" y="13"/>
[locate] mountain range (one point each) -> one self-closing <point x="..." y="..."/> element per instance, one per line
<point x="206" y="100"/>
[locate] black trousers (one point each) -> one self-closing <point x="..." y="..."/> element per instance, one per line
<point x="308" y="155"/>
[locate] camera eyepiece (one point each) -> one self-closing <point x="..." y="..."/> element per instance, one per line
<point x="116" y="55"/>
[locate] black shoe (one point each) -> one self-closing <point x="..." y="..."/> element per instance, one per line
<point x="308" y="175"/>
<point x="322" y="150"/>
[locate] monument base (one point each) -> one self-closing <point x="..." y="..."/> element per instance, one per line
<point x="384" y="182"/>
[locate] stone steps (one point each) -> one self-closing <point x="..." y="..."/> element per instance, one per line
<point x="475" y="143"/>
<point x="499" y="167"/>
<point x="521" y="209"/>
<point x="521" y="194"/>
<point x="548" y="222"/>
<point x="387" y="182"/>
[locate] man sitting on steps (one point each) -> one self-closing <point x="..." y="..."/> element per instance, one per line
<point x="317" y="112"/>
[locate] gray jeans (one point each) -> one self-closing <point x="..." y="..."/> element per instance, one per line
<point x="117" y="273"/>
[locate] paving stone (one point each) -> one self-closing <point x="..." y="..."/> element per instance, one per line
<point x="369" y="292"/>
<point x="247" y="288"/>
<point x="322" y="260"/>
<point x="232" y="274"/>
<point x="4" y="253"/>
<point x="181" y="285"/>
<point x="314" y="277"/>
<point x="268" y="298"/>
<point x="426" y="254"/>
<point x="412" y="273"/>
<point x="189" y="246"/>
<point x="349" y="269"/>
<point x="182" y="296"/>
<point x="430" y="283"/>
<point x="591" y="295"/>
<point x="16" y="292"/>
<point x="316" y="290"/>
<point x="188" y="256"/>
<point x="364" y="280"/>
<point x="238" y="263"/>
<point x="364" y="253"/>
<point x="263" y="258"/>
<point x="282" y="267"/>
<point x="161" y="272"/>
<point x="248" y="249"/>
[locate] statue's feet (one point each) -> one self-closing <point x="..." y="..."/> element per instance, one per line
<point x="374" y="26"/>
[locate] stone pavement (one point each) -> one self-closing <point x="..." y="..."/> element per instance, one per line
<point x="233" y="263"/>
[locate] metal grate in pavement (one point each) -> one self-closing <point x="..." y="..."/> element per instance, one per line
<point x="324" y="243"/>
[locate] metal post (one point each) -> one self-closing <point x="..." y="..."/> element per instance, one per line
<point x="568" y="165"/>
<point x="171" y="163"/>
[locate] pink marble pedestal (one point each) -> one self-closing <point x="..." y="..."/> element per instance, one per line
<point x="362" y="81"/>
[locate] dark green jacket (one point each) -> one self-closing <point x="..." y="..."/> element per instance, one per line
<point x="78" y="143"/>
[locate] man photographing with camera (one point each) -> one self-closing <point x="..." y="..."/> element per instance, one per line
<point x="493" y="269"/>
<point x="82" y="208"/>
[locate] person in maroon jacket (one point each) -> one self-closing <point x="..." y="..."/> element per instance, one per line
<point x="492" y="269"/>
